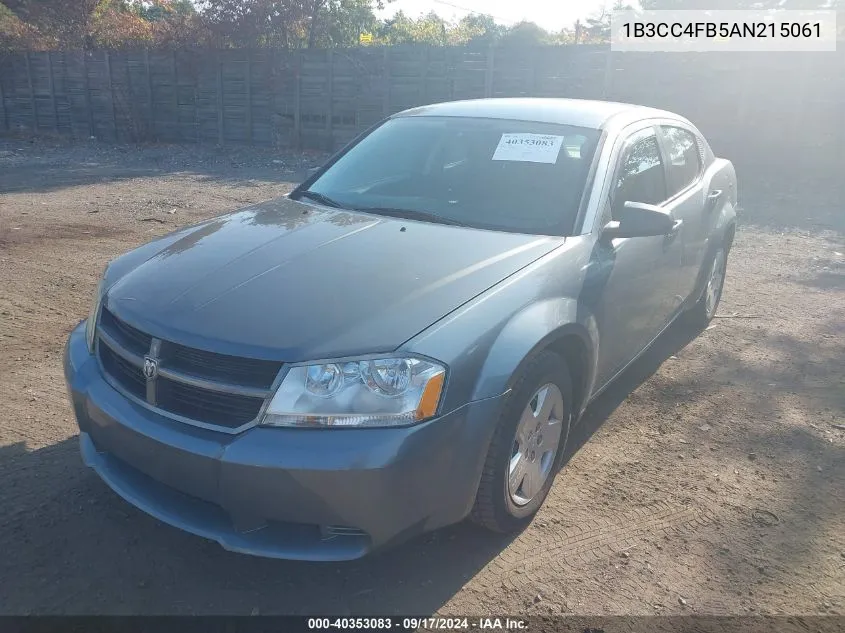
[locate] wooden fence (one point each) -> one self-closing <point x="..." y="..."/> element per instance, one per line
<point x="322" y="98"/>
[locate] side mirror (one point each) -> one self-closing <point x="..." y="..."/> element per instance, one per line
<point x="637" y="219"/>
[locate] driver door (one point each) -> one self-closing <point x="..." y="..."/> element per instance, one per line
<point x="641" y="272"/>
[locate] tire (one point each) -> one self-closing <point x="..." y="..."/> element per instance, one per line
<point x="702" y="312"/>
<point x="500" y="505"/>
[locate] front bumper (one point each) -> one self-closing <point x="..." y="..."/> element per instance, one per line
<point x="327" y="494"/>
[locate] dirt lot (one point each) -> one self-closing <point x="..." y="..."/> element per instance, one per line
<point x="713" y="483"/>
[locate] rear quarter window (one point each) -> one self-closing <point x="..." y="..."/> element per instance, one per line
<point x="683" y="158"/>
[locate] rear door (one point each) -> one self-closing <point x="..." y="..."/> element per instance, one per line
<point x="686" y="201"/>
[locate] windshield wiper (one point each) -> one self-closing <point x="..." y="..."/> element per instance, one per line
<point x="410" y="214"/>
<point x="318" y="197"/>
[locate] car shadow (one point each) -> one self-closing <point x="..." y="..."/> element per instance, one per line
<point x="72" y="546"/>
<point x="670" y="343"/>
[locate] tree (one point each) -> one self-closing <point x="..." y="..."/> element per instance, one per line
<point x="15" y="34"/>
<point x="429" y="29"/>
<point x="288" y="23"/>
<point x="476" y="29"/>
<point x="396" y="30"/>
<point x="341" y="22"/>
<point x="66" y="22"/>
<point x="564" y="37"/>
<point x="175" y="23"/>
<point x="253" y="22"/>
<point x="69" y="24"/>
<point x="116" y="24"/>
<point x="597" y="28"/>
<point x="526" y="34"/>
<point x="163" y="10"/>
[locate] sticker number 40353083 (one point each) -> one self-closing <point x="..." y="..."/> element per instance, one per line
<point x="529" y="148"/>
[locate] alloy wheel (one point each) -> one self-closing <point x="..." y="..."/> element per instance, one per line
<point x="535" y="444"/>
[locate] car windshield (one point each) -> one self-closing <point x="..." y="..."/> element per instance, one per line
<point x="514" y="176"/>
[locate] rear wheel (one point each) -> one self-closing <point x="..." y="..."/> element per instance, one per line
<point x="527" y="446"/>
<point x="700" y="315"/>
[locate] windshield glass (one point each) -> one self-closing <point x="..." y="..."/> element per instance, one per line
<point x="513" y="176"/>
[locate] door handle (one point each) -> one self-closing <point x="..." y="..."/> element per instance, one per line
<point x="713" y="198"/>
<point x="672" y="234"/>
<point x="676" y="228"/>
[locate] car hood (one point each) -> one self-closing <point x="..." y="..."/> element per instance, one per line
<point x="289" y="281"/>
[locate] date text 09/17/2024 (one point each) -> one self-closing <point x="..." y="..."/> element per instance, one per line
<point x="417" y="623"/>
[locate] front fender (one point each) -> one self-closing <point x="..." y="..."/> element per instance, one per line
<point x="486" y="341"/>
<point x="534" y="328"/>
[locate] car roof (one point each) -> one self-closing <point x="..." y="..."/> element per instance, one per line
<point x="579" y="112"/>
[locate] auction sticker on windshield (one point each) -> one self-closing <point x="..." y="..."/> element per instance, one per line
<point x="529" y="148"/>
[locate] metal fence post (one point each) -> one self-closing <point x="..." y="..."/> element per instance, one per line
<point x="3" y="114"/>
<point x="607" y="88"/>
<point x="111" y="96"/>
<point x="488" y="75"/>
<point x="297" y="102"/>
<point x="248" y="85"/>
<point x="87" y="87"/>
<point x="133" y="118"/>
<point x="424" y="76"/>
<point x="220" y="117"/>
<point x="531" y="75"/>
<point x="196" y="80"/>
<point x="385" y="103"/>
<point x="52" y="91"/>
<point x="330" y="102"/>
<point x="150" y="100"/>
<point x="174" y="72"/>
<point x="31" y="93"/>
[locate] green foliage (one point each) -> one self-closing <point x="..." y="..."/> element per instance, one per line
<point x="472" y="30"/>
<point x="343" y="22"/>
<point x="477" y="30"/>
<point x="65" y="23"/>
<point x="16" y="34"/>
<point x="526" y="34"/>
<point x="429" y="29"/>
<point x="49" y="24"/>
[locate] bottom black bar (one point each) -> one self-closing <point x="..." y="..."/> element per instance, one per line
<point x="550" y="624"/>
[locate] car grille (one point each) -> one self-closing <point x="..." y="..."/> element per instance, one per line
<point x="128" y="375"/>
<point x="242" y="371"/>
<point x="192" y="385"/>
<point x="130" y="338"/>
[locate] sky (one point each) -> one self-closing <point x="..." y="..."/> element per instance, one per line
<point x="552" y="15"/>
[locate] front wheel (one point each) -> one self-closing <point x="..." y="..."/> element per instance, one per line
<point x="700" y="315"/>
<point x="527" y="446"/>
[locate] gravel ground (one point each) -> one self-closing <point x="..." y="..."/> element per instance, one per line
<point x="713" y="481"/>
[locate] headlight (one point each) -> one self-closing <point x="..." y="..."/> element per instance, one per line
<point x="395" y="391"/>
<point x="96" y="301"/>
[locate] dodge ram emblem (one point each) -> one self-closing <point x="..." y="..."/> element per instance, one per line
<point x="150" y="368"/>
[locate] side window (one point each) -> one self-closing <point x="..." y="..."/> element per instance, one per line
<point x="640" y="177"/>
<point x="684" y="163"/>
